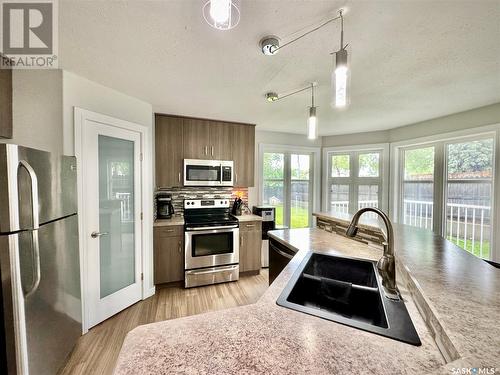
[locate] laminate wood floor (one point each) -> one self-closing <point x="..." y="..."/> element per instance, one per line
<point x="97" y="351"/>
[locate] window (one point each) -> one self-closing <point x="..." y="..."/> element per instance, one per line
<point x="469" y="186"/>
<point x="447" y="187"/>
<point x="354" y="180"/>
<point x="418" y="187"/>
<point x="287" y="185"/>
<point x="274" y="183"/>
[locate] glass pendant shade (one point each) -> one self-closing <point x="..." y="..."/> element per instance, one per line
<point x="221" y="14"/>
<point x="340" y="78"/>
<point x="312" y="124"/>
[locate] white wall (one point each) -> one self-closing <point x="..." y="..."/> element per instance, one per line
<point x="83" y="93"/>
<point x="37" y="109"/>
<point x="458" y="121"/>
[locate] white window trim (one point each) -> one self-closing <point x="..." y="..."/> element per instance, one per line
<point x="385" y="157"/>
<point x="445" y="138"/>
<point x="316" y="180"/>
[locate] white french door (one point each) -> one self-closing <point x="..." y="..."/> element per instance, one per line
<point x="287" y="184"/>
<point x="111" y="169"/>
<point x="448" y="186"/>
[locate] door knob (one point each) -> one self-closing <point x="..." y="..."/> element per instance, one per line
<point x="98" y="234"/>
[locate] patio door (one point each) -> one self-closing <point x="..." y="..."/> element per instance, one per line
<point x="448" y="187"/>
<point x="287" y="179"/>
<point x="111" y="167"/>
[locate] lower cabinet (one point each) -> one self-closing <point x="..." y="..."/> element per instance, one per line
<point x="168" y="254"/>
<point x="250" y="246"/>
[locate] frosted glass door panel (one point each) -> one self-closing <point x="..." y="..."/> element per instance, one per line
<point x="116" y="214"/>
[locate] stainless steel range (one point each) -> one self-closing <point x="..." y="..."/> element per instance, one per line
<point x="211" y="242"/>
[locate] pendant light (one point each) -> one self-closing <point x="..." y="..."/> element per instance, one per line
<point x="221" y="14"/>
<point x="312" y="121"/>
<point x="340" y="74"/>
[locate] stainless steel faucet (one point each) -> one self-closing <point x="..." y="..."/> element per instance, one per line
<point x="387" y="264"/>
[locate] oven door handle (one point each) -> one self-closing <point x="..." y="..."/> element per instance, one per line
<point x="213" y="270"/>
<point x="197" y="229"/>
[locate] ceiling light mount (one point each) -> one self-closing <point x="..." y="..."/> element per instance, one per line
<point x="269" y="45"/>
<point x="271" y="97"/>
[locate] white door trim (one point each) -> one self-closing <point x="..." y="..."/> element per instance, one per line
<point x="148" y="289"/>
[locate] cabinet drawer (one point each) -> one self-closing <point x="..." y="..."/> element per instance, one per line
<point x="249" y="226"/>
<point x="170" y="231"/>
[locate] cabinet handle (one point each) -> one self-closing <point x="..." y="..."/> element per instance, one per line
<point x="180" y="246"/>
<point x="212" y="150"/>
<point x="250" y="225"/>
<point x="179" y="176"/>
<point x="241" y="241"/>
<point x="236" y="177"/>
<point x="169" y="230"/>
<point x="206" y="150"/>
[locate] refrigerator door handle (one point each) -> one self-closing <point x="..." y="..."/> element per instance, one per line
<point x="34" y="192"/>
<point x="36" y="224"/>
<point x="36" y="260"/>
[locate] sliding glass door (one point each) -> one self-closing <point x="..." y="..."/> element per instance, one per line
<point x="448" y="187"/>
<point x="287" y="185"/>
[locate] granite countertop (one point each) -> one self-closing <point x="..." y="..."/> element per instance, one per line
<point x="176" y="220"/>
<point x="456" y="293"/>
<point x="248" y="217"/>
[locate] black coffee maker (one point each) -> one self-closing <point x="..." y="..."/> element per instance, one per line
<point x="164" y="207"/>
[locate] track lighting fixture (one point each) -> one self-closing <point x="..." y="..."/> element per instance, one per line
<point x="269" y="45"/>
<point x="312" y="120"/>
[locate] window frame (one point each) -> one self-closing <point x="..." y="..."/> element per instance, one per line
<point x="314" y="176"/>
<point x="441" y="141"/>
<point x="354" y="181"/>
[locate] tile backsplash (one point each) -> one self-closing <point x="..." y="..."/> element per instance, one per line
<point x="181" y="193"/>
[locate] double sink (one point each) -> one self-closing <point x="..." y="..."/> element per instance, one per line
<point x="347" y="291"/>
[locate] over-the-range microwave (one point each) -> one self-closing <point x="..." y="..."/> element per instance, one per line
<point x="198" y="172"/>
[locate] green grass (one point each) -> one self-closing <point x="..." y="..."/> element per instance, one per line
<point x="477" y="247"/>
<point x="299" y="219"/>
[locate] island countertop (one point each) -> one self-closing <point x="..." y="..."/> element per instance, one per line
<point x="456" y="294"/>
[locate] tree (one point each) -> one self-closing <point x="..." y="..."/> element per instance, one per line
<point x="473" y="156"/>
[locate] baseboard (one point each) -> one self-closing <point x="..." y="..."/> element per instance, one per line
<point x="250" y="273"/>
<point x="149" y="293"/>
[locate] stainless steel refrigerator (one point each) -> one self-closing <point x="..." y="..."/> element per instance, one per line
<point x="39" y="260"/>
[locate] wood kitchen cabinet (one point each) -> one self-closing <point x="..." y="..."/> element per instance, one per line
<point x="221" y="142"/>
<point x="196" y="139"/>
<point x="5" y="103"/>
<point x="169" y="150"/>
<point x="179" y="138"/>
<point x="243" y="140"/>
<point x="168" y="244"/>
<point x="250" y="247"/>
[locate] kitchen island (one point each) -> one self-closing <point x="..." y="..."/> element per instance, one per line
<point x="452" y="297"/>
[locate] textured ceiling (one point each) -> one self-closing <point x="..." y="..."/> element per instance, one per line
<point x="410" y="60"/>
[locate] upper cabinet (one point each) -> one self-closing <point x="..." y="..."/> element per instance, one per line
<point x="179" y="138"/>
<point x="221" y="142"/>
<point x="196" y="139"/>
<point x="5" y="103"/>
<point x="243" y="140"/>
<point x="169" y="150"/>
